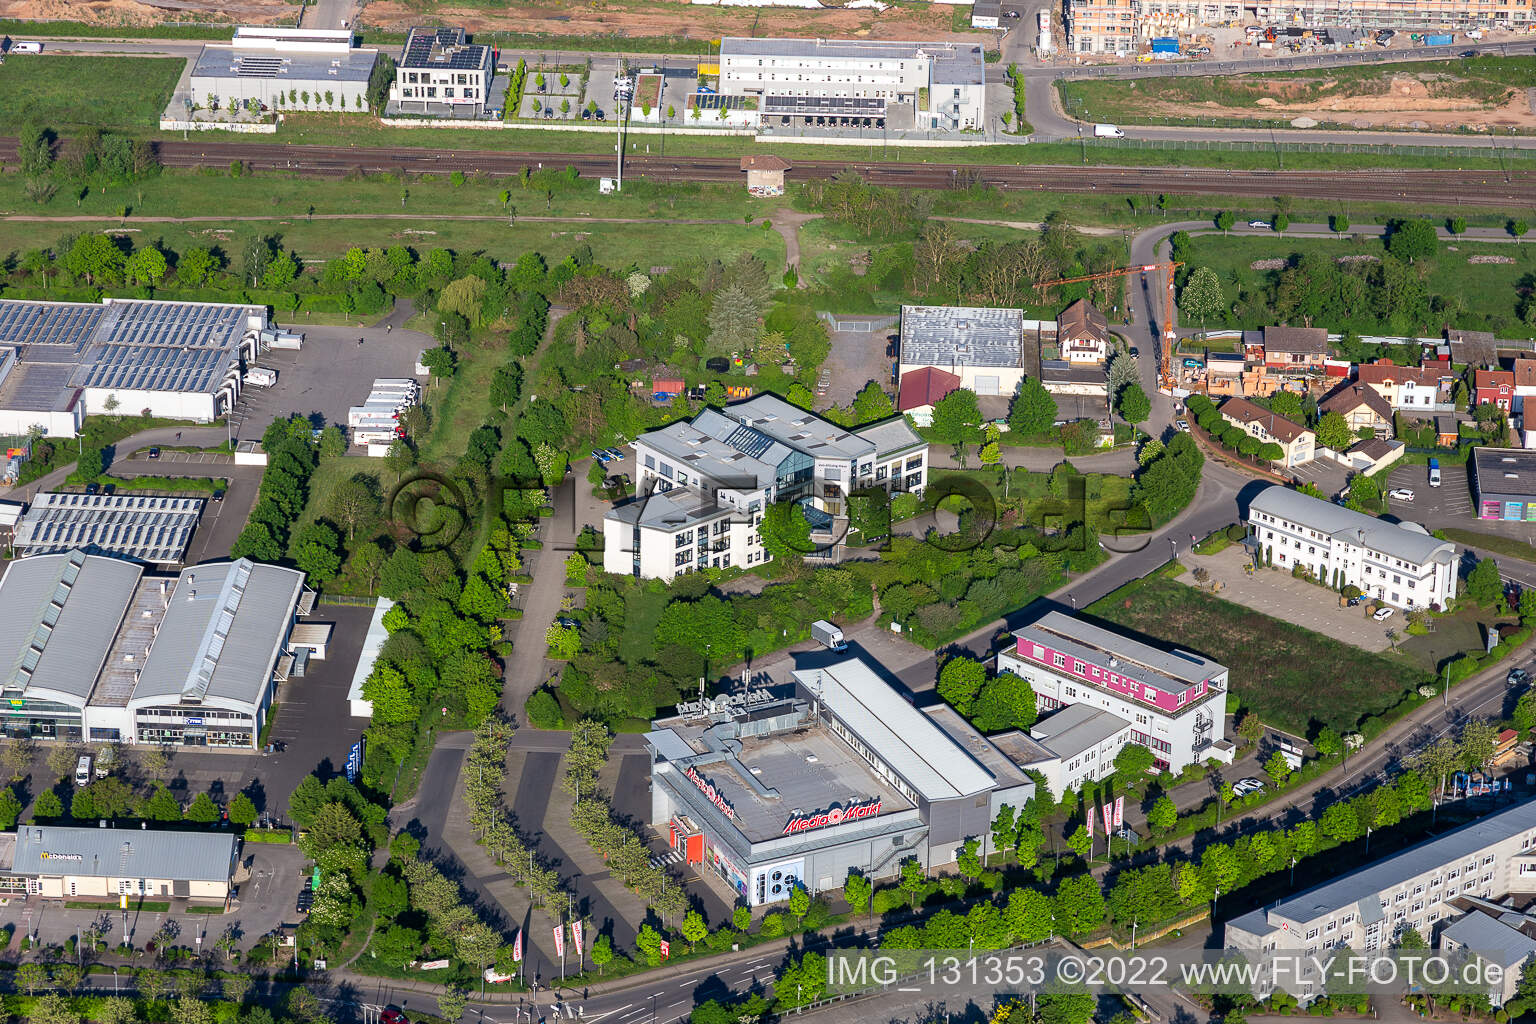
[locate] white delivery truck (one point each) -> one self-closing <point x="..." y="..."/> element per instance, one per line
<point x="1107" y="131"/>
<point x="261" y="376"/>
<point x="20" y="47"/>
<point x="828" y="635"/>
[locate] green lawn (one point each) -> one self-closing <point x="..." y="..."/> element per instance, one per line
<point x="1491" y="542"/>
<point x="71" y="92"/>
<point x="1485" y="80"/>
<point x="1490" y="292"/>
<point x="1291" y="677"/>
<point x="330" y="474"/>
<point x="642" y="611"/>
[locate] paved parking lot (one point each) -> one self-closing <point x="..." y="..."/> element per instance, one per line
<point x="329" y="375"/>
<point x="1284" y="597"/>
<point x="1329" y="476"/>
<point x="1450" y="504"/>
<point x="860" y="353"/>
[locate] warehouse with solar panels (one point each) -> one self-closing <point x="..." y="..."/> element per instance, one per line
<point x="144" y="528"/>
<point x="285" y="69"/>
<point x="94" y="648"/>
<point x="60" y="361"/>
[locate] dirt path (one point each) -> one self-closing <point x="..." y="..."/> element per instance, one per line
<point x="787" y="223"/>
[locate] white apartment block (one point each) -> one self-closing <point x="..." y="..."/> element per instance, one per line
<point x="797" y="77"/>
<point x="440" y="71"/>
<point x="702" y="486"/>
<point x="1122" y="26"/>
<point x="1113" y="690"/>
<point x="1367" y="908"/>
<point x="1398" y="563"/>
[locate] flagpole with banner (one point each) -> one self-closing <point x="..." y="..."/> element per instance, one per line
<point x="581" y="954"/>
<point x="560" y="947"/>
<point x="517" y="957"/>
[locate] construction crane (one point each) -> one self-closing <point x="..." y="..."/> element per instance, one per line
<point x="1166" y="346"/>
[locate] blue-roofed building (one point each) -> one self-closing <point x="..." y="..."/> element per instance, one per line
<point x="702" y="485"/>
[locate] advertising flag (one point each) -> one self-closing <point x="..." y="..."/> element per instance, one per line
<point x="666" y="949"/>
<point x="1119" y="811"/>
<point x="560" y="940"/>
<point x="1091" y="817"/>
<point x="576" y="935"/>
<point x="517" y="948"/>
<point x="1108" y="816"/>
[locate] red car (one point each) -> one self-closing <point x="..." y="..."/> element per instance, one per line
<point x="393" y="1016"/>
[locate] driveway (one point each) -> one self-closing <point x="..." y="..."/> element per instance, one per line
<point x="1288" y="599"/>
<point x="1450" y="504"/>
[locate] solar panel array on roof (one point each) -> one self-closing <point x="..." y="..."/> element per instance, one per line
<point x="143" y="528"/>
<point x="441" y="48"/>
<point x="257" y="67"/>
<point x="862" y="106"/>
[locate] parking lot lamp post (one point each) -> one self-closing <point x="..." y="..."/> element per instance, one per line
<point x="114" y="981"/>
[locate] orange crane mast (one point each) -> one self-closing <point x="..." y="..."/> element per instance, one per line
<point x="1166" y="343"/>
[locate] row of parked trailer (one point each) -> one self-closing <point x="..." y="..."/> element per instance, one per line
<point x="376" y="423"/>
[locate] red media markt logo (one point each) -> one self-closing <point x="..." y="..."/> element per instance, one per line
<point x="834" y="816"/>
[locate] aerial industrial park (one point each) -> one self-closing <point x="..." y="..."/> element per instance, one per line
<point x="1010" y="511"/>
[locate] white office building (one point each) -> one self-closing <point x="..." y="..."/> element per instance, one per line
<point x="945" y="83"/>
<point x="179" y="360"/>
<point x="1098" y="690"/>
<point x="1398" y="563"/>
<point x="702" y="485"/>
<point x="441" y="72"/>
<point x="1366" y="909"/>
<point x="287" y="69"/>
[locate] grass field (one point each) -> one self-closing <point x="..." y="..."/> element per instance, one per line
<point x="72" y="92"/>
<point x="1484" y="80"/>
<point x="1499" y="545"/>
<point x="1291" y="677"/>
<point x="1488" y="290"/>
<point x="330" y="474"/>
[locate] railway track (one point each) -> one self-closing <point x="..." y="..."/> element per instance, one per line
<point x="1439" y="187"/>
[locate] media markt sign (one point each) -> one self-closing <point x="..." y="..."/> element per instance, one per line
<point x="833" y="816"/>
<point x="711" y="792"/>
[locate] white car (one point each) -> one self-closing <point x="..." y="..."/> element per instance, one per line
<point x="1400" y="494"/>
<point x="1243" y="787"/>
<point x="1181" y="424"/>
<point x="1258" y="223"/>
<point x="1383" y="614"/>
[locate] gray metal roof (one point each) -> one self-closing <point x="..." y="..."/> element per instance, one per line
<point x="220" y="60"/>
<point x="666" y="510"/>
<point x="909" y="741"/>
<point x="891" y="436"/>
<point x="1491" y="939"/>
<point x="1364" y="885"/>
<point x="1407" y="541"/>
<point x="141" y="527"/>
<point x="1076" y="728"/>
<point x="1509" y="471"/>
<point x="797" y="429"/>
<point x="124" y="853"/>
<point x="60" y="615"/>
<point x="221" y="635"/>
<point x="121" y="344"/>
<point x="954" y="336"/>
<point x="1175" y="670"/>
